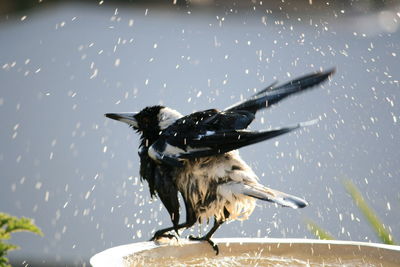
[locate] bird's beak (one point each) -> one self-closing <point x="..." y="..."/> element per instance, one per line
<point x="128" y="118"/>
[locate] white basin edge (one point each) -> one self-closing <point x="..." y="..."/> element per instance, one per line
<point x="114" y="256"/>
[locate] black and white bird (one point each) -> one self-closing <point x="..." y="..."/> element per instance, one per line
<point x="196" y="155"/>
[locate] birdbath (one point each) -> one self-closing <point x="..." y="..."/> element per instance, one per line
<point x="250" y="252"/>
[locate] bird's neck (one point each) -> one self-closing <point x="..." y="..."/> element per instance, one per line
<point x="148" y="140"/>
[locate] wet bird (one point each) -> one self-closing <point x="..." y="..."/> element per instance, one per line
<point x="196" y="155"/>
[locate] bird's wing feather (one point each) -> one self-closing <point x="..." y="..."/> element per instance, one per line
<point x="167" y="191"/>
<point x="161" y="184"/>
<point x="210" y="120"/>
<point x="272" y="95"/>
<point x="224" y="141"/>
<point x="172" y="149"/>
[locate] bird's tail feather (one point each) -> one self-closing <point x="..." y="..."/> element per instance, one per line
<point x="272" y="95"/>
<point x="271" y="195"/>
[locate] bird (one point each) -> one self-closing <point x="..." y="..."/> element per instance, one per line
<point x="196" y="156"/>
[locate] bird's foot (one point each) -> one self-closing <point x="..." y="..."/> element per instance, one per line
<point x="205" y="238"/>
<point x="158" y="235"/>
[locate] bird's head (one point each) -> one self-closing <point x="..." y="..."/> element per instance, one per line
<point x="150" y="121"/>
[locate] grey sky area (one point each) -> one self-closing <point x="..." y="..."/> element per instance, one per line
<point x="76" y="173"/>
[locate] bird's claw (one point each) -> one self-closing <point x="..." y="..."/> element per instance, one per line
<point x="161" y="235"/>
<point x="213" y="245"/>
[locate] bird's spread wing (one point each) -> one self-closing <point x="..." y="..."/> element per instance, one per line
<point x="212" y="132"/>
<point x="172" y="149"/>
<point x="220" y="142"/>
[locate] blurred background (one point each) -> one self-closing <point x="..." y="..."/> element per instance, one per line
<point x="63" y="64"/>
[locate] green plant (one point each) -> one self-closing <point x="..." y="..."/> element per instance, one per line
<point x="318" y="231"/>
<point x="10" y="224"/>
<point x="365" y="209"/>
<point x="368" y="213"/>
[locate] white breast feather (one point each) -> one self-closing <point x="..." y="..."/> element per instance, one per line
<point x="201" y="173"/>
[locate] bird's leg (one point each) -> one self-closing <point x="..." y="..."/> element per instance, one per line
<point x="163" y="232"/>
<point x="208" y="236"/>
<point x="190" y="220"/>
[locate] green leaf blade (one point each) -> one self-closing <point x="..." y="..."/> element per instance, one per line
<point x="369" y="214"/>
<point x="318" y="231"/>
